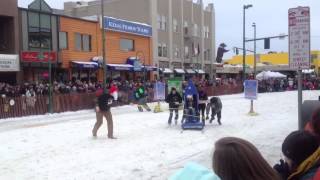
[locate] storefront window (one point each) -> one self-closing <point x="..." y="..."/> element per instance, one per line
<point x="127" y="45"/>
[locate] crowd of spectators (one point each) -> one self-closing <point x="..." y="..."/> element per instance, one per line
<point x="77" y="86"/>
<point x="289" y="84"/>
<point x="40" y="88"/>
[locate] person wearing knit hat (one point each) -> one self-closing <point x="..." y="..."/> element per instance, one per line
<point x="302" y="153"/>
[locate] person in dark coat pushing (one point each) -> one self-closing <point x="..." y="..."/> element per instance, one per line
<point x="215" y="105"/>
<point x="174" y="99"/>
<point x="203" y="98"/>
<point x="103" y="105"/>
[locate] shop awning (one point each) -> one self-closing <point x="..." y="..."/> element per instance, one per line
<point x="85" y="65"/>
<point x="179" y="71"/>
<point x="129" y="67"/>
<point x="200" y="71"/>
<point x="120" y="67"/>
<point x="190" y="71"/>
<point x="166" y="71"/>
<point x="150" y="68"/>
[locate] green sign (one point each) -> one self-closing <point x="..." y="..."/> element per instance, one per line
<point x="176" y="83"/>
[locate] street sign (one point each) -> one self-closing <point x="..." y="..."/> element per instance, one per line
<point x="299" y="37"/>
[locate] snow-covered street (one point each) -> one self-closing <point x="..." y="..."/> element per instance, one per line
<point x="60" y="146"/>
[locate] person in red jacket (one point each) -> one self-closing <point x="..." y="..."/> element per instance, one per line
<point x="114" y="91"/>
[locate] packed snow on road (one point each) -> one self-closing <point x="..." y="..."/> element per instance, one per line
<point x="61" y="146"/>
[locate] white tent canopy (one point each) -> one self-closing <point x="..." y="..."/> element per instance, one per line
<point x="270" y="75"/>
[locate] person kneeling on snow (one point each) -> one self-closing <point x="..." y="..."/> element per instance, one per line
<point x="140" y="95"/>
<point x="174" y="99"/>
<point x="302" y="157"/>
<point x="215" y="105"/>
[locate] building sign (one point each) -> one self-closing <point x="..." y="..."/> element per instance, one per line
<point x="299" y="37"/>
<point x="28" y="56"/>
<point x="9" y="63"/>
<point x="251" y="89"/>
<point x="127" y="27"/>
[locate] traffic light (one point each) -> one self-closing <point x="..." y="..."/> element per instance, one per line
<point x="236" y="50"/>
<point x="267" y="43"/>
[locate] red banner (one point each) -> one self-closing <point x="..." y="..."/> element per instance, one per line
<point x="28" y="56"/>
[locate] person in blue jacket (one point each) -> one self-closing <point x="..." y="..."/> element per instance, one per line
<point x="193" y="171"/>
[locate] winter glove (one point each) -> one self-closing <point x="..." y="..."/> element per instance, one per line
<point x="109" y="101"/>
<point x="283" y="169"/>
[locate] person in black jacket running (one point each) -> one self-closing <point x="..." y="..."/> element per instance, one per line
<point x="174" y="99"/>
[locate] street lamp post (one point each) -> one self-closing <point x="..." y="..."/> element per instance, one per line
<point x="254" y="49"/>
<point x="254" y="63"/>
<point x="245" y="7"/>
<point x="103" y="48"/>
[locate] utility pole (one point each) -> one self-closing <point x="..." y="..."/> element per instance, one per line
<point x="255" y="50"/>
<point x="103" y="48"/>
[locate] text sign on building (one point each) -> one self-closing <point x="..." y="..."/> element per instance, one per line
<point x="299" y="38"/>
<point x="127" y="27"/>
<point x="28" y="56"/>
<point x="9" y="63"/>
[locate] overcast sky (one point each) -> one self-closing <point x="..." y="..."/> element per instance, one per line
<point x="269" y="15"/>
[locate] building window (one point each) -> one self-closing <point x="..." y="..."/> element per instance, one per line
<point x="162" y="23"/>
<point x="185" y="27"/>
<point x="159" y="22"/>
<point x="63" y="40"/>
<point x="127" y="45"/>
<point x="86" y="43"/>
<point x="175" y="26"/>
<point x="83" y="42"/>
<point x="162" y="50"/>
<point x="195" y="30"/>
<point x="206" y="54"/>
<point x="186" y="52"/>
<point x="176" y="51"/>
<point x="78" y="42"/>
<point x="206" y="32"/>
<point x="39" y="29"/>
